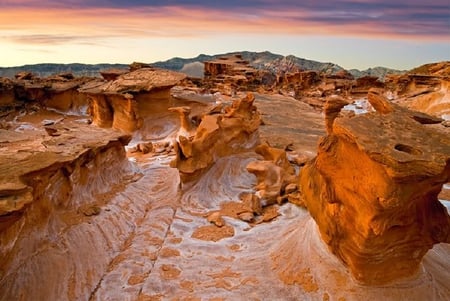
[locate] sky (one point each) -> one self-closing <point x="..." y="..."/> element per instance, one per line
<point x="399" y="34"/>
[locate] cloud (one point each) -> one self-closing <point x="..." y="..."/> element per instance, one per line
<point x="46" y="39"/>
<point x="94" y="21"/>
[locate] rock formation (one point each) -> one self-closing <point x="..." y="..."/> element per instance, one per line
<point x="273" y="175"/>
<point x="231" y="73"/>
<point x="46" y="203"/>
<point x="425" y="89"/>
<point x="218" y="135"/>
<point x="372" y="190"/>
<point x="229" y="65"/>
<point x="112" y="74"/>
<point x="56" y="92"/>
<point x="7" y="96"/>
<point x="84" y="217"/>
<point x="121" y="103"/>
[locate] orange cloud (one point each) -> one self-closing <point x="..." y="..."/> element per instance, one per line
<point x="56" y="26"/>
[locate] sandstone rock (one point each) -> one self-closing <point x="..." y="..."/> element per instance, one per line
<point x="7" y="93"/>
<point x="217" y="136"/>
<point x="119" y="103"/>
<point x="372" y="190"/>
<point x="252" y="203"/>
<point x="246" y="216"/>
<point x="424" y="89"/>
<point x="52" y="131"/>
<point x="364" y="83"/>
<point x="229" y="74"/>
<point x="112" y="74"/>
<point x="291" y="188"/>
<point x="270" y="180"/>
<point x="145" y="147"/>
<point x="379" y="103"/>
<point x="138" y="65"/>
<point x="24" y="75"/>
<point x="272" y="174"/>
<point x="186" y="124"/>
<point x="332" y="108"/>
<point x="216" y="219"/>
<point x="58" y="92"/>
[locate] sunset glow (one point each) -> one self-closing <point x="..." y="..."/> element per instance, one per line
<point x="354" y="34"/>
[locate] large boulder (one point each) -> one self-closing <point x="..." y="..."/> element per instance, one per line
<point x="373" y="187"/>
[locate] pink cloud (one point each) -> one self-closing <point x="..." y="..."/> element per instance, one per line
<point x="21" y="25"/>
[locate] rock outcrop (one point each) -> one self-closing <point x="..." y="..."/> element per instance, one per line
<point x="7" y="95"/>
<point x="274" y="174"/>
<point x="52" y="191"/>
<point x="59" y="92"/>
<point x="231" y="73"/>
<point x="217" y="135"/>
<point x="373" y="187"/>
<point x="120" y="103"/>
<point x="425" y="89"/>
<point x="112" y="74"/>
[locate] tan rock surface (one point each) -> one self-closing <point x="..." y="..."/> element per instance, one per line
<point x="372" y="189"/>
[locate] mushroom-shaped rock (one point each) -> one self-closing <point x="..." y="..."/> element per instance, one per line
<point x="117" y="103"/>
<point x="186" y="126"/>
<point x="372" y="190"/>
<point x="333" y="107"/>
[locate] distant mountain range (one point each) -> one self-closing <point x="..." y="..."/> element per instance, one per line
<point x="194" y="66"/>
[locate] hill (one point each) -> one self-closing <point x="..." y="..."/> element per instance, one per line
<point x="194" y="67"/>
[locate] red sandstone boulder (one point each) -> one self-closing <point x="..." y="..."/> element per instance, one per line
<point x="373" y="187"/>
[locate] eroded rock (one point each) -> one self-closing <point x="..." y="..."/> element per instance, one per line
<point x="273" y="174"/>
<point x="121" y="102"/>
<point x="372" y="190"/>
<point x="217" y="136"/>
<point x="425" y="88"/>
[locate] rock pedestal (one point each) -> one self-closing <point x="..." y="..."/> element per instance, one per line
<point x="119" y="103"/>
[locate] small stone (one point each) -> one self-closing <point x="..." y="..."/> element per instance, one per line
<point x="52" y="131"/>
<point x="91" y="210"/>
<point x="47" y="122"/>
<point x="133" y="149"/>
<point x="246" y="216"/>
<point x="252" y="202"/>
<point x="145" y="147"/>
<point x="216" y="219"/>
